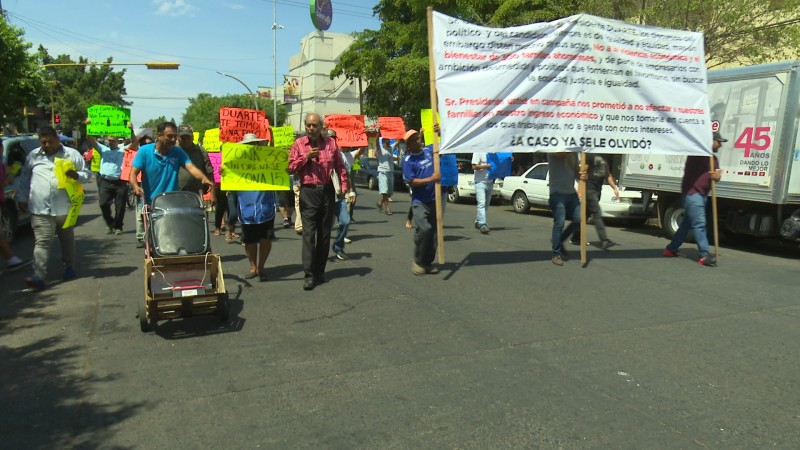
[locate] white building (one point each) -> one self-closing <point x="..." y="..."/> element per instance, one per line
<point x="316" y="92"/>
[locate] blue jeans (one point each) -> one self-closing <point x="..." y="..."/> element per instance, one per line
<point x="233" y="207"/>
<point x="561" y="205"/>
<point x="343" y="216"/>
<point x="483" y="195"/>
<point x="694" y="219"/>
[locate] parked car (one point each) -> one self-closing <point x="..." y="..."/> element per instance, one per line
<point x="367" y="174"/>
<point x="16" y="149"/>
<point x="466" y="184"/>
<point x="532" y="189"/>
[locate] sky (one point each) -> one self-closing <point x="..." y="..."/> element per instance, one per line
<point x="204" y="36"/>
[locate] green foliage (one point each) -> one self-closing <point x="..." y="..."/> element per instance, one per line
<point x="20" y="73"/>
<point x="76" y="88"/>
<point x="203" y="111"/>
<point x="153" y="123"/>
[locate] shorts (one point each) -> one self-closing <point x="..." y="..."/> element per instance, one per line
<point x="252" y="233"/>
<point x="286" y="199"/>
<point x="386" y="183"/>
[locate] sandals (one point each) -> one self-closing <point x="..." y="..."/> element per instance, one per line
<point x="250" y="275"/>
<point x="217" y="232"/>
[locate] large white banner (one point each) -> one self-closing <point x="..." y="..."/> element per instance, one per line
<point x="582" y="83"/>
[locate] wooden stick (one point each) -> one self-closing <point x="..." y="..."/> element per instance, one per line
<point x="435" y="113"/>
<point x="582" y="190"/>
<point x="714" y="209"/>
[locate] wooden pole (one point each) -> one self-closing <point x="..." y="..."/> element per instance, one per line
<point x="582" y="190"/>
<point x="714" y="209"/>
<point x="435" y="113"/>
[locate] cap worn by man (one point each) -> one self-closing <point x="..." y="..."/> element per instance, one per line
<point x="409" y="133"/>
<point x="251" y="138"/>
<point x="718" y="137"/>
<point x="185" y="130"/>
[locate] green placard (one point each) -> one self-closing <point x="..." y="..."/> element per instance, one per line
<point x="107" y="120"/>
<point x="283" y="136"/>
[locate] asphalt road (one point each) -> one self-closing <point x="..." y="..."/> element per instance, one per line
<point x="502" y="349"/>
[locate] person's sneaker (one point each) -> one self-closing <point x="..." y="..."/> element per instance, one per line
<point x="417" y="269"/>
<point x="575" y="240"/>
<point x="12" y="267"/>
<point x="708" y="260"/>
<point x="484" y="229"/>
<point x="347" y="241"/>
<point x="432" y="269"/>
<point x="118" y="231"/>
<point x="607" y="244"/>
<point x="70" y="274"/>
<point x="139" y="244"/>
<point x="669" y="253"/>
<point x="477" y="225"/>
<point x="109" y="230"/>
<point x="341" y="255"/>
<point x="557" y="261"/>
<point x="286" y="223"/>
<point x="35" y="282"/>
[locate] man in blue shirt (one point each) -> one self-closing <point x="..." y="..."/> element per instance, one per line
<point x="419" y="174"/>
<point x="160" y="163"/>
<point x="111" y="188"/>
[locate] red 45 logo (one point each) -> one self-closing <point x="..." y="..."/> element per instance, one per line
<point x="753" y="138"/>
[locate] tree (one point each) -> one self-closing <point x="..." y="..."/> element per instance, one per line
<point x="154" y="123"/>
<point x="736" y="32"/>
<point x="21" y="74"/>
<point x="76" y="88"/>
<point x="203" y="111"/>
<point x="393" y="61"/>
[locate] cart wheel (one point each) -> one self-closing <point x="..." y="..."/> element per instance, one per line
<point x="140" y="312"/>
<point x="222" y="308"/>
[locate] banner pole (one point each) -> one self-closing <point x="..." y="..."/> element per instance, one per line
<point x="714" y="209"/>
<point x="435" y="113"/>
<point x="582" y="190"/>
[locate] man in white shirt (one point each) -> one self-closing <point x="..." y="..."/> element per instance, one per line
<point x="483" y="189"/>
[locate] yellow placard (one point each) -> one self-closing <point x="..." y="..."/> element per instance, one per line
<point x="254" y="168"/>
<point x="211" y="140"/>
<point x="426" y="117"/>
<point x="283" y="136"/>
<point x="73" y="187"/>
<point x="195" y="137"/>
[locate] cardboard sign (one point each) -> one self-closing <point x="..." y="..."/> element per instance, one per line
<point x="448" y="167"/>
<point x="392" y="127"/>
<point x="283" y="136"/>
<point x="349" y="129"/>
<point x="127" y="162"/>
<point x="211" y="140"/>
<point x="216" y="162"/>
<point x="195" y="137"/>
<point x="426" y="117"/>
<point x="73" y="187"/>
<point x="254" y="168"/>
<point x="234" y="123"/>
<point x="107" y="120"/>
<point x="501" y="165"/>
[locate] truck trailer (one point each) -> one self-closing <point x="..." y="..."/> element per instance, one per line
<point x="756" y="109"/>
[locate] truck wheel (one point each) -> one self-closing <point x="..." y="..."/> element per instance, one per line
<point x="673" y="217"/>
<point x="520" y="202"/>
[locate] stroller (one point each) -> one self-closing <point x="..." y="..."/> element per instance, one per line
<point x="182" y="277"/>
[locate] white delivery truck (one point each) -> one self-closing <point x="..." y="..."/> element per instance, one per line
<point x="756" y="109"/>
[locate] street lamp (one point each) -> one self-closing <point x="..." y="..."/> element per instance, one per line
<point x="151" y="65"/>
<point x="252" y="95"/>
<point x="275" y="27"/>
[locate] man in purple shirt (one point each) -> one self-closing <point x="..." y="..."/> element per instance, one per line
<point x="695" y="188"/>
<point x="312" y="159"/>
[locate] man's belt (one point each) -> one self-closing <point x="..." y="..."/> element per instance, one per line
<point x="318" y="187"/>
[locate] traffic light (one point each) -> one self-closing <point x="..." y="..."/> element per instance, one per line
<point x="57" y="118"/>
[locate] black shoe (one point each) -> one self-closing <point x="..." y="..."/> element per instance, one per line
<point x="575" y="241"/>
<point x="341" y="255"/>
<point x="139" y="244"/>
<point x="320" y="279"/>
<point x="709" y="260"/>
<point x="308" y="285"/>
<point x="607" y="244"/>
